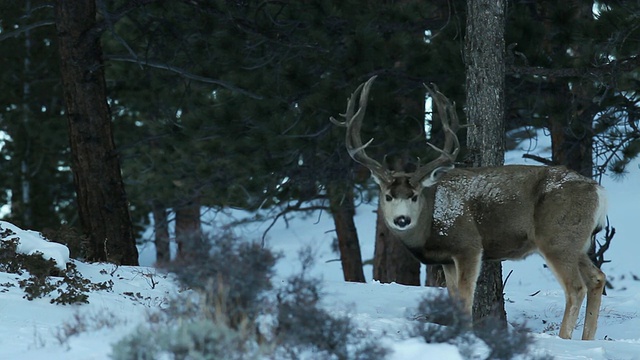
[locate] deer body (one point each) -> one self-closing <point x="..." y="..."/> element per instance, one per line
<point x="462" y="210"/>
<point x="460" y="217"/>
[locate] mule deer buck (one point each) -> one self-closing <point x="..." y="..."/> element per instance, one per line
<point x="459" y="217"/>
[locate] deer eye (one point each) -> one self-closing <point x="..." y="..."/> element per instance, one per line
<point x="388" y="197"/>
<point x="414" y="198"/>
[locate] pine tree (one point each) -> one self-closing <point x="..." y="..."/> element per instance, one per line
<point x="102" y="202"/>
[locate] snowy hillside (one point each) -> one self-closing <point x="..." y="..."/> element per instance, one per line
<point x="39" y="330"/>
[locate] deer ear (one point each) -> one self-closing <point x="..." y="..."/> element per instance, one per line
<point x="436" y="175"/>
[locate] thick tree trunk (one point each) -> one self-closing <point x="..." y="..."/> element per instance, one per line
<point x="484" y="55"/>
<point x="102" y="202"/>
<point x="343" y="210"/>
<point x="189" y="230"/>
<point x="392" y="261"/>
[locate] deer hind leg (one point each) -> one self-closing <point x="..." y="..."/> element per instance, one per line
<point x="595" y="280"/>
<point x="567" y="272"/>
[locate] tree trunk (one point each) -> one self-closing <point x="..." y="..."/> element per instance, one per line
<point x="570" y="100"/>
<point x="161" y="229"/>
<point x="484" y="55"/>
<point x="25" y="170"/>
<point x="392" y="261"/>
<point x="102" y="202"/>
<point x="189" y="230"/>
<point x="571" y="143"/>
<point x="343" y="211"/>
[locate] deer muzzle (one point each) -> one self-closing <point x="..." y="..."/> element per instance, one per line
<point x="402" y="221"/>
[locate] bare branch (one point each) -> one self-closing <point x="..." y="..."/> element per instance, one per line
<point x="288" y="209"/>
<point x="184" y="73"/>
<point x="22" y="29"/>
<point x="111" y="18"/>
<point x="599" y="259"/>
<point x="539" y="159"/>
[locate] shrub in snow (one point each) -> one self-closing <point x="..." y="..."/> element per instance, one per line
<point x="31" y="243"/>
<point x="233" y="274"/>
<point x="305" y="330"/>
<point x="199" y="339"/>
<point x="441" y="321"/>
<point x="85" y="322"/>
<point x="45" y="275"/>
<point x="232" y="312"/>
<point x="505" y="343"/>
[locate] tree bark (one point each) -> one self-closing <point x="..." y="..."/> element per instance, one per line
<point x="189" y="230"/>
<point x="343" y="210"/>
<point x="102" y="202"/>
<point x="572" y="126"/>
<point x="484" y="55"/>
<point x="392" y="261"/>
<point x="161" y="229"/>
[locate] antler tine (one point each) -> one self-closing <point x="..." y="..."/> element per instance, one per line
<point x="450" y="124"/>
<point x="348" y="115"/>
<point x="353" y="123"/>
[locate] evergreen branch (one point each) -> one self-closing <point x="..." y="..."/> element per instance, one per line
<point x="606" y="69"/>
<point x="613" y="151"/>
<point x="184" y="73"/>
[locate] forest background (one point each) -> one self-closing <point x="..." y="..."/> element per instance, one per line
<point x="225" y="104"/>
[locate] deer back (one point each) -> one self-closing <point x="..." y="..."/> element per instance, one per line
<point x="509" y="211"/>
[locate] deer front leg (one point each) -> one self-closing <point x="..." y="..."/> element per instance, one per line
<point x="467" y="269"/>
<point x="451" y="278"/>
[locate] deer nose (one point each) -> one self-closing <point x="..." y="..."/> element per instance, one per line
<point x="402" y="221"/>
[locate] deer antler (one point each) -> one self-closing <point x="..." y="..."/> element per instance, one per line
<point x="450" y="124"/>
<point x="353" y="123"/>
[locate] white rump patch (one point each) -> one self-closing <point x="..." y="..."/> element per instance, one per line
<point x="600" y="215"/>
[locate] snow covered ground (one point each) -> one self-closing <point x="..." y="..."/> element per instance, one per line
<point x="39" y="330"/>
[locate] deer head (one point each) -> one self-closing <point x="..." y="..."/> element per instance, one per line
<point x="401" y="195"/>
